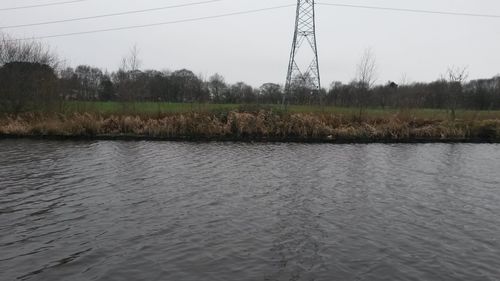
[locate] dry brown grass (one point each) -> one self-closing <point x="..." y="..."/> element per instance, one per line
<point x="262" y="125"/>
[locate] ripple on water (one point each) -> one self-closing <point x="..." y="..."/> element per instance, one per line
<point x="222" y="211"/>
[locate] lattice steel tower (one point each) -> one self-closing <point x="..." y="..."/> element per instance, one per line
<point x="305" y="30"/>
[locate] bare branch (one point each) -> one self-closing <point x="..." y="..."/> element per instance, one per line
<point x="12" y="50"/>
<point x="458" y="74"/>
<point x="131" y="62"/>
<point x="366" y="71"/>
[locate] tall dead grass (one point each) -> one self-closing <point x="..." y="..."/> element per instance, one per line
<point x="261" y="125"/>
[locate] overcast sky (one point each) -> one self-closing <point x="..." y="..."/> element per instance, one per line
<point x="255" y="47"/>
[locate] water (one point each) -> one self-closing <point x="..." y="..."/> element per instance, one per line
<point x="223" y="211"/>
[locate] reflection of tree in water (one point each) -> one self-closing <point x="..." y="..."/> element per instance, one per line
<point x="297" y="235"/>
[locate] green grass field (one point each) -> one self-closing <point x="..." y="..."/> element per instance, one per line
<point x="163" y="107"/>
<point x="143" y="107"/>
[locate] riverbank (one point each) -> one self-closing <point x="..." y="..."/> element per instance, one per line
<point x="265" y="126"/>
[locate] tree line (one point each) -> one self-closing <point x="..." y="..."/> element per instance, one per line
<point x="31" y="75"/>
<point x="481" y="94"/>
<point x="86" y="83"/>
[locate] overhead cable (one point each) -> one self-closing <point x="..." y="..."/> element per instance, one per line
<point x="408" y="10"/>
<point x="109" y="15"/>
<point x="156" y="24"/>
<point x="41" y="5"/>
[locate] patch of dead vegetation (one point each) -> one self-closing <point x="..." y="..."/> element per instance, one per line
<point x="249" y="125"/>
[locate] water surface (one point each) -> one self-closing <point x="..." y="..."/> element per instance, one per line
<point x="223" y="211"/>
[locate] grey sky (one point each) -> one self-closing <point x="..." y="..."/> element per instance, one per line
<point x="254" y="48"/>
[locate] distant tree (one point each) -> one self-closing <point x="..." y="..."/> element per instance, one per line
<point x="28" y="79"/>
<point x="155" y="85"/>
<point x="31" y="78"/>
<point x="68" y="84"/>
<point x="271" y="93"/>
<point x="29" y="51"/>
<point x="366" y="75"/>
<point x="241" y="92"/>
<point x="404" y="80"/>
<point x="435" y="94"/>
<point x="203" y="93"/>
<point x="456" y="78"/>
<point x="106" y="89"/>
<point x="340" y="94"/>
<point x="89" y="80"/>
<point x="483" y="94"/>
<point x="302" y="90"/>
<point x="187" y="87"/>
<point x="126" y="79"/>
<point x="217" y="87"/>
<point x="366" y="70"/>
<point x="27" y="86"/>
<point x="131" y="62"/>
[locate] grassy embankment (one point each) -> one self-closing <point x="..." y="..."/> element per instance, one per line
<point x="249" y="123"/>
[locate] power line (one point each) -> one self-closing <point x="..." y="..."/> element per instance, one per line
<point x="205" y="2"/>
<point x="410" y="10"/>
<point x="109" y="15"/>
<point x="41" y="5"/>
<point x="219" y="16"/>
<point x="156" y="24"/>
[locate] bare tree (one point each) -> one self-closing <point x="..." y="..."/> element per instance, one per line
<point x="456" y="76"/>
<point x="366" y="70"/>
<point x="131" y="62"/>
<point x="404" y="80"/>
<point x="127" y="79"/>
<point x="366" y="75"/>
<point x="13" y="50"/>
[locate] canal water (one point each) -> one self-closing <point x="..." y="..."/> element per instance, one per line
<point x="108" y="210"/>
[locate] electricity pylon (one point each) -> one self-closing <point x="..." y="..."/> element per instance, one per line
<point x="305" y="30"/>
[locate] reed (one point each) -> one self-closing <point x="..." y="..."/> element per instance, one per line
<point x="262" y="125"/>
